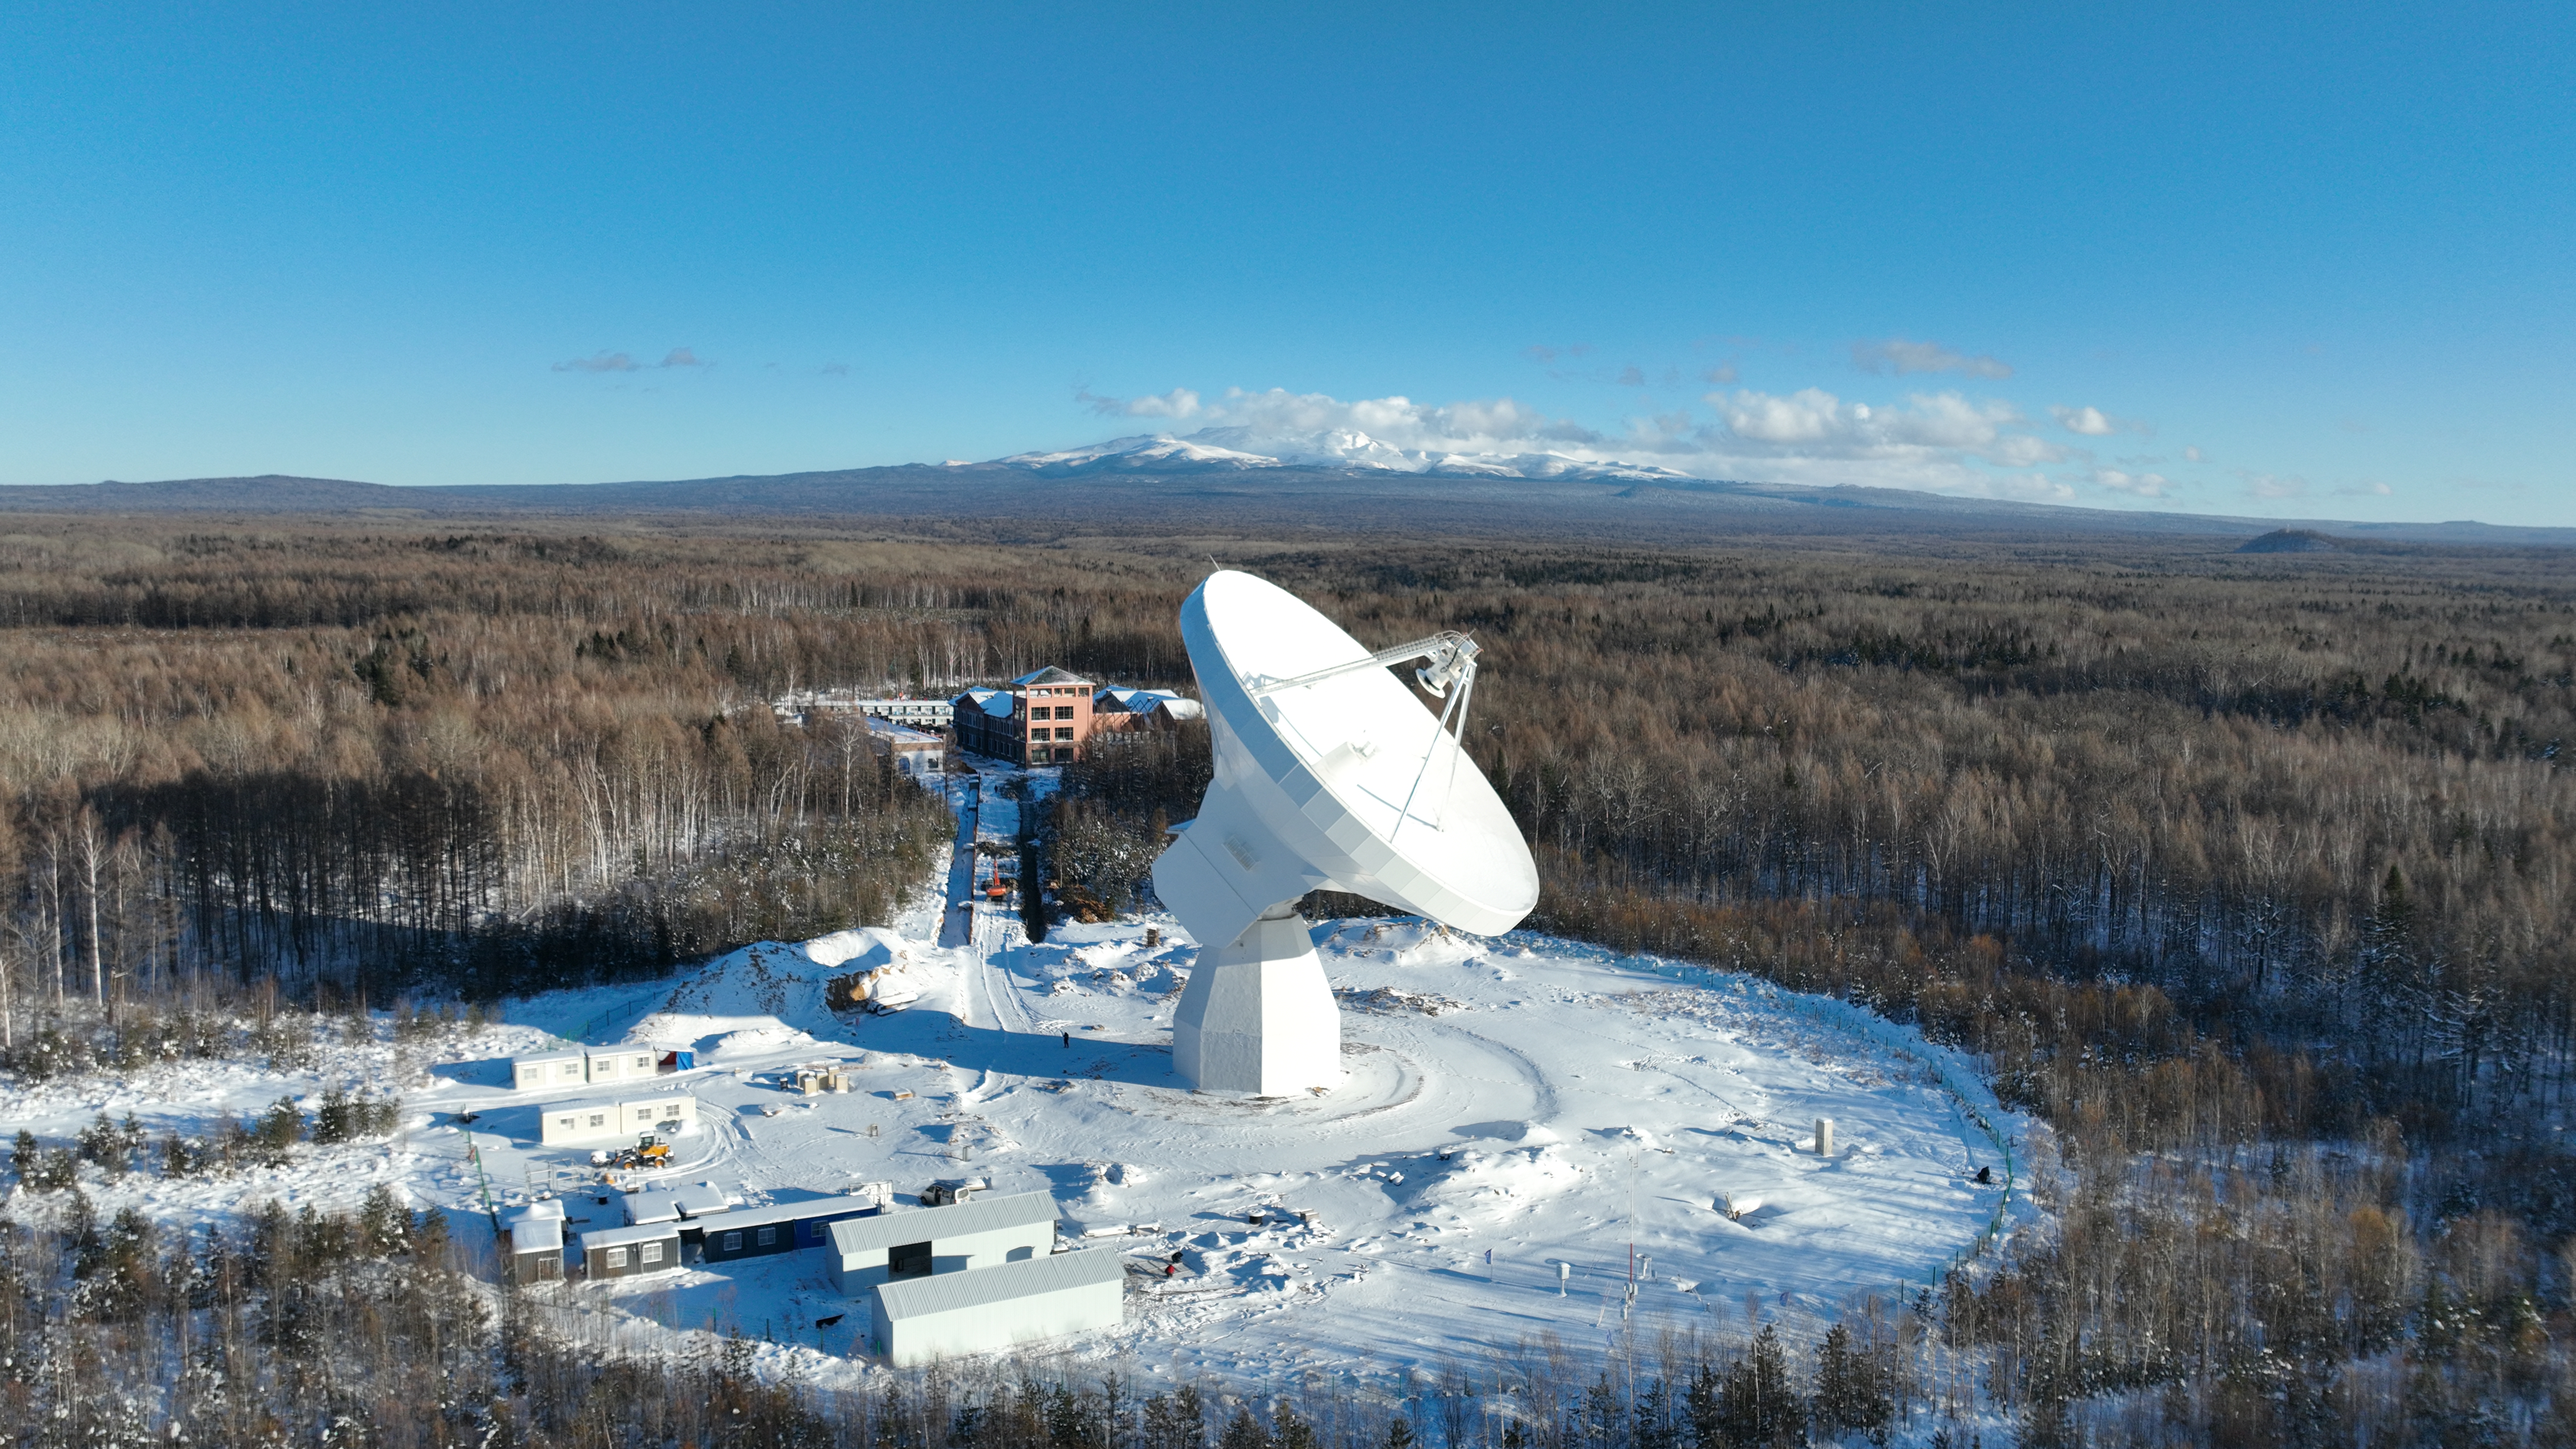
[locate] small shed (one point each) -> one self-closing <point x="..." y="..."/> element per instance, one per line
<point x="549" y="1069"/>
<point x="643" y="1208"/>
<point x="621" y="1064"/>
<point x="703" y="1200"/>
<point x="991" y="1309"/>
<point x="532" y="1244"/>
<point x="969" y="1235"/>
<point x="680" y="1059"/>
<point x="778" y="1228"/>
<point x="625" y="1252"/>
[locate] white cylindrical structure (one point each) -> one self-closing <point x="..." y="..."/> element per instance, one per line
<point x="1824" y="1137"/>
<point x="1257" y="1015"/>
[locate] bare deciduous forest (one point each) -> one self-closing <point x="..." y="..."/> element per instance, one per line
<point x="2246" y="874"/>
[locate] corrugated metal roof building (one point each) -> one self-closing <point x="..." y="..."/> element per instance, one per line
<point x="991" y="1309"/>
<point x="980" y="1233"/>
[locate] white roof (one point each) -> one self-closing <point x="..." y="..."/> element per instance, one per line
<point x="549" y="1208"/>
<point x="944" y="1292"/>
<point x="536" y="1235"/>
<point x="574" y="1055"/>
<point x="788" y="1212"/>
<point x="699" y="1201"/>
<point x="900" y="734"/>
<point x="976" y="1215"/>
<point x="1130" y="698"/>
<point x="1179" y="708"/>
<point x="608" y="1107"/>
<point x="652" y="1207"/>
<point x="991" y="701"/>
<point x="592" y="1242"/>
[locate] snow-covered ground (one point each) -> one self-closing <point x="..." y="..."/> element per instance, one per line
<point x="1511" y="1105"/>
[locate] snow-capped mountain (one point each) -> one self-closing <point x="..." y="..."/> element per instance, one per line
<point x="1240" y="449"/>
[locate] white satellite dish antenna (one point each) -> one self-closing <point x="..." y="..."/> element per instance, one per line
<point x="1329" y="775"/>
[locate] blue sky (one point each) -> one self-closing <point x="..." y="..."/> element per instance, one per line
<point x="2271" y="260"/>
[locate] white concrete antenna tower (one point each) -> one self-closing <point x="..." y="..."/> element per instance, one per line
<point x="1329" y="775"/>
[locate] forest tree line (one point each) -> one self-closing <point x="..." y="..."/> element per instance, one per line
<point x="2247" y="874"/>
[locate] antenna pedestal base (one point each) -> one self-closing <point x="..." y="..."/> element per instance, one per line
<point x="1257" y="1015"/>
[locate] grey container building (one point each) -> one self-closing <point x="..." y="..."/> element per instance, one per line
<point x="625" y="1252"/>
<point x="777" y="1228"/>
<point x="981" y="1233"/>
<point x="915" y="1320"/>
<point x="534" y="1248"/>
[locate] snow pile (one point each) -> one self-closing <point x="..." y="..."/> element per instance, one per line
<point x="786" y="986"/>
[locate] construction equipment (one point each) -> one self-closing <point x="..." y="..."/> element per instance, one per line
<point x="648" y="1151"/>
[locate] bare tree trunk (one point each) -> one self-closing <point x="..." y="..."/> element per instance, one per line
<point x="54" y="908"/>
<point x="92" y="850"/>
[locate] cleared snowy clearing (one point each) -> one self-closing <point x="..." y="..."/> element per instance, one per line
<point x="1535" y="1099"/>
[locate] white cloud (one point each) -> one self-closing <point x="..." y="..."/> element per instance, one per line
<point x="2141" y="485"/>
<point x="2273" y="485"/>
<point x="1180" y="402"/>
<point x="2091" y="422"/>
<point x="2194" y="455"/>
<point x="2364" y="489"/>
<point x="1723" y="374"/>
<point x="624" y="362"/>
<point x="1943" y="441"/>
<point x="1899" y="356"/>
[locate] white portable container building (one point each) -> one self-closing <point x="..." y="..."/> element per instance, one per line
<point x="983" y="1233"/>
<point x="621" y="1064"/>
<point x="650" y="1113"/>
<point x="568" y="1124"/>
<point x="549" y="1069"/>
<point x="564" y="1124"/>
<point x="991" y="1309"/>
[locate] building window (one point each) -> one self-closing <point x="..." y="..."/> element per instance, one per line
<point x="652" y="1252"/>
<point x="908" y="1260"/>
<point x="733" y="1242"/>
<point x="768" y="1236"/>
<point x="1064" y="711"/>
<point x="617" y="1257"/>
<point x="598" y="1119"/>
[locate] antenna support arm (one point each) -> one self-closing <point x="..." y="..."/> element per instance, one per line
<point x="1452" y="657"/>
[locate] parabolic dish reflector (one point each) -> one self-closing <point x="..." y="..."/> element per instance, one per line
<point x="1344" y="783"/>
